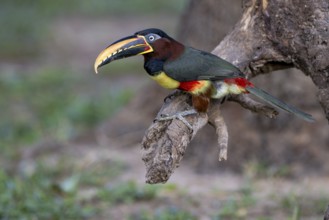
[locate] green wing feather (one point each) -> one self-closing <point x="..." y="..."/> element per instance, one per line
<point x="194" y="64"/>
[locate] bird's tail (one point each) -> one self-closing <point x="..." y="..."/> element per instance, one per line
<point x="278" y="103"/>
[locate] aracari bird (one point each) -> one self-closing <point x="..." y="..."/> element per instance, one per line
<point x="175" y="66"/>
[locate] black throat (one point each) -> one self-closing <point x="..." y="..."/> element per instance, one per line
<point x="153" y="66"/>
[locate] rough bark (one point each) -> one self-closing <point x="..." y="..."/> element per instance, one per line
<point x="271" y="35"/>
<point x="326" y="214"/>
<point x="165" y="142"/>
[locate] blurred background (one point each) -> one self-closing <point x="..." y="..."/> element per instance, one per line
<point x="70" y="139"/>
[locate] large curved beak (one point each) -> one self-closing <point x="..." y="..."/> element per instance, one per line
<point x="125" y="47"/>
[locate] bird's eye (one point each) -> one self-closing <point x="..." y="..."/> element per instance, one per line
<point x="151" y="38"/>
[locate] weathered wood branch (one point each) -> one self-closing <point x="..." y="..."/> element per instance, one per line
<point x="165" y="142"/>
<point x="271" y="35"/>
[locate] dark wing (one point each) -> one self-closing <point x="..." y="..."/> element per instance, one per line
<point x="194" y="64"/>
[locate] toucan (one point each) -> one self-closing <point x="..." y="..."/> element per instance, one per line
<point x="175" y="66"/>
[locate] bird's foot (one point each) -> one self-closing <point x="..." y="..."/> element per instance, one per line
<point x="180" y="116"/>
<point x="172" y="95"/>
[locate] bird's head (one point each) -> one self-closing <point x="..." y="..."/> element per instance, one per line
<point x="142" y="42"/>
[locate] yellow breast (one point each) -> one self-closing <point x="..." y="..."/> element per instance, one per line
<point x="165" y="81"/>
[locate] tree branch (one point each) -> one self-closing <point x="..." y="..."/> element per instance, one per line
<point x="217" y="121"/>
<point x="165" y="142"/>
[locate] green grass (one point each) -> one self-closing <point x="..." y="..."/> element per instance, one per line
<point x="238" y="204"/>
<point x="167" y="213"/>
<point x="52" y="103"/>
<point x="128" y="192"/>
<point x="297" y="206"/>
<point x="37" y="197"/>
<point x="51" y="192"/>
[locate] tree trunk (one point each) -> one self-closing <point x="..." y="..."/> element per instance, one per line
<point x="270" y="36"/>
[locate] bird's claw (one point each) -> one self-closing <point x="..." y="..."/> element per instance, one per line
<point x="171" y="96"/>
<point x="179" y="116"/>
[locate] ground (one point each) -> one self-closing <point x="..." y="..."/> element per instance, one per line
<point x="187" y="195"/>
